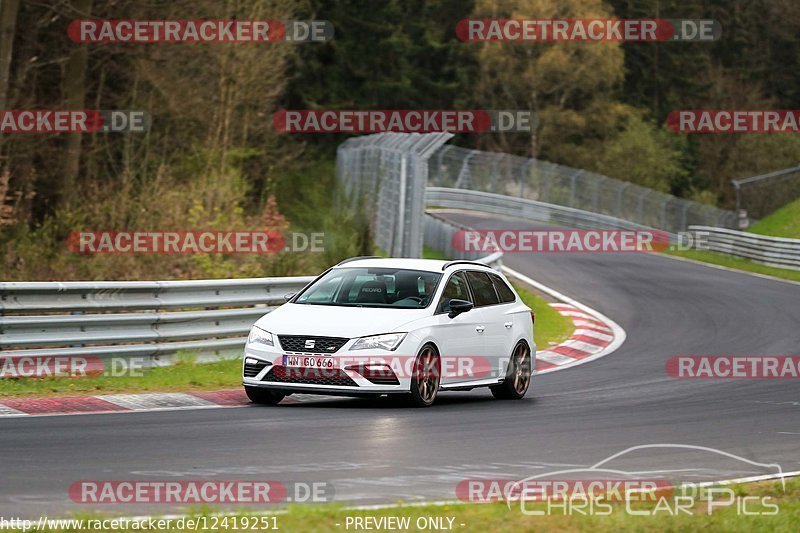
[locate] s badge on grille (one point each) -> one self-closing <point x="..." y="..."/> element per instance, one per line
<point x="310" y="343"/>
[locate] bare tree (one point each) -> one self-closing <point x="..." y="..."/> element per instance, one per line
<point x="74" y="98"/>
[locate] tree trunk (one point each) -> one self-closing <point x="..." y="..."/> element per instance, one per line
<point x="8" y="21"/>
<point x="74" y="98"/>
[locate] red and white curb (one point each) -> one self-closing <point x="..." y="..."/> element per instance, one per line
<point x="131" y="403"/>
<point x="595" y="334"/>
<point x="120" y="403"/>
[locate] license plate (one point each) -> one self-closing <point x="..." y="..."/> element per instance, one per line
<point x="308" y="361"/>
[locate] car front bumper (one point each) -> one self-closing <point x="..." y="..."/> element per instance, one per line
<point x="349" y="376"/>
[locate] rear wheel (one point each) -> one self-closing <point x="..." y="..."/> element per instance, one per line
<point x="426" y="377"/>
<point x="518" y="375"/>
<point x="263" y="396"/>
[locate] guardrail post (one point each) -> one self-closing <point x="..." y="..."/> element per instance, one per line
<point x="684" y="222"/>
<point x="620" y="192"/>
<point x="523" y="177"/>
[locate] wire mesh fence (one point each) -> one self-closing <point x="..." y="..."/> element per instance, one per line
<point x="455" y="167"/>
<point x="761" y="195"/>
<point x="386" y="175"/>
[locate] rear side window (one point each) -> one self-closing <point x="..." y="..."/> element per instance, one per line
<point x="482" y="288"/>
<point x="503" y="290"/>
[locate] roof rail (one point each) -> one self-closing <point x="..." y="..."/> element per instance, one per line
<point x="349" y="259"/>
<point x="463" y="261"/>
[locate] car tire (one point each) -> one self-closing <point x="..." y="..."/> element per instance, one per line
<point x="263" y="396"/>
<point x="426" y="377"/>
<point x="518" y="375"/>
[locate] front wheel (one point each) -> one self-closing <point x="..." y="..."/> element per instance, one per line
<point x="518" y="375"/>
<point x="426" y="378"/>
<point x="263" y="396"/>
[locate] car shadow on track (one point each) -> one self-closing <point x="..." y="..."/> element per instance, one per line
<point x="400" y="402"/>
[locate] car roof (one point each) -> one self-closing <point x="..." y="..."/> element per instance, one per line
<point x="428" y="265"/>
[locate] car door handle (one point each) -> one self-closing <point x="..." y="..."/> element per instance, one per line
<point x="508" y="325"/>
<point x="479" y="329"/>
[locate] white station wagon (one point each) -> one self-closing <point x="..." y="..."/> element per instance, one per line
<point x="375" y="326"/>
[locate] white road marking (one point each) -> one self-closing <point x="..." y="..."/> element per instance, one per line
<point x="594" y="334"/>
<point x="159" y="400"/>
<point x="582" y="346"/>
<point x="554" y="358"/>
<point x="581" y="323"/>
<point x="9" y="411"/>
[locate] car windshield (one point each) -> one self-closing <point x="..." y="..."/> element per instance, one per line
<point x="372" y="287"/>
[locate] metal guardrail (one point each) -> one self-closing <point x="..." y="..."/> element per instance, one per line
<point x="772" y="251"/>
<point x="439" y="234"/>
<point x="209" y="318"/>
<point x="522" y="208"/>
<point x="205" y="317"/>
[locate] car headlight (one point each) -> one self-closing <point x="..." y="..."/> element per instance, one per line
<point x="387" y="341"/>
<point x="259" y="336"/>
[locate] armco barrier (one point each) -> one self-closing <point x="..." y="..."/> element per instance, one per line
<point x="149" y="319"/>
<point x="772" y="251"/>
<point x="524" y="209"/>
<point x="206" y="317"/>
<point x="439" y="234"/>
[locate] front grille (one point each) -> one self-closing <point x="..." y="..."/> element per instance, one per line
<point x="296" y="343"/>
<point x="310" y="376"/>
<point x="252" y="370"/>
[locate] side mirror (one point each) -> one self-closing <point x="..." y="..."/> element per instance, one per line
<point x="289" y="296"/>
<point x="459" y="306"/>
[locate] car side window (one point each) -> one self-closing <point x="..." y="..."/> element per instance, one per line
<point x="503" y="290"/>
<point x="456" y="289"/>
<point x="482" y="288"/>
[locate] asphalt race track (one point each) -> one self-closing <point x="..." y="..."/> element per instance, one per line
<point x="374" y="451"/>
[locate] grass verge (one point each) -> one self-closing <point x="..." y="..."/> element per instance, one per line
<point x="551" y="327"/>
<point x="785" y="222"/>
<point x="185" y="376"/>
<point x="498" y="517"/>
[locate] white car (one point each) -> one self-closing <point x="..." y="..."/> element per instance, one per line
<point x="375" y="326"/>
